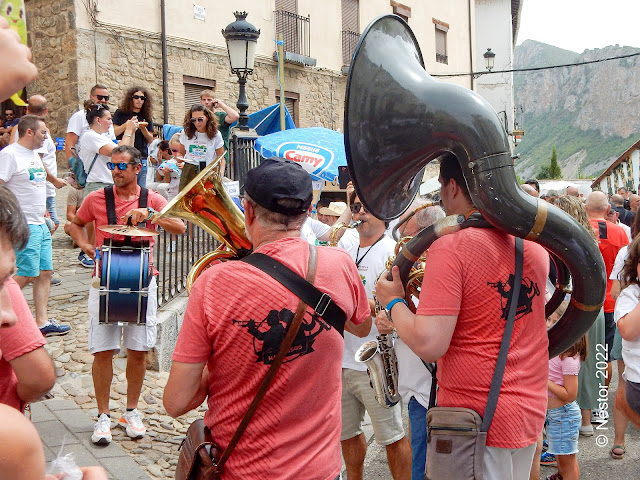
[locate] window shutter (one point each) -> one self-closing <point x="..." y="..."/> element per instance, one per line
<point x="192" y="94"/>
<point x="350" y="16"/>
<point x="441" y="42"/>
<point x="287" y="5"/>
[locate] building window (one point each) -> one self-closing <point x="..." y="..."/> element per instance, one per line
<point x="193" y="86"/>
<point x="350" y="30"/>
<point x="403" y="11"/>
<point x="291" y="101"/>
<point x="441" y="41"/>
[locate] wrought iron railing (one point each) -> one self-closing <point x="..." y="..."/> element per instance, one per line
<point x="295" y="31"/>
<point x="174" y="255"/>
<point x="349" y="42"/>
<point x="243" y="156"/>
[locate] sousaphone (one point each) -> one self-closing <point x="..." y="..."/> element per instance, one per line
<point x="398" y="119"/>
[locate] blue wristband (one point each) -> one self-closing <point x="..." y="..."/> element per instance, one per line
<point x="391" y="304"/>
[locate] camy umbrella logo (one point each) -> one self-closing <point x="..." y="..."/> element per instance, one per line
<point x="313" y="158"/>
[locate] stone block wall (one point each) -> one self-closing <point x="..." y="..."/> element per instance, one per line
<point x="52" y="38"/>
<point x="124" y="59"/>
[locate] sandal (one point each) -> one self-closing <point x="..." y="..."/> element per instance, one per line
<point x="555" y="476"/>
<point x="616" y="454"/>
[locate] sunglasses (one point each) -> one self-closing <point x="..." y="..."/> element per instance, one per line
<point x="175" y="150"/>
<point x="138" y="97"/>
<point x="122" y="166"/>
<point x="199" y="119"/>
<point x="355" y="208"/>
<point x="103" y="97"/>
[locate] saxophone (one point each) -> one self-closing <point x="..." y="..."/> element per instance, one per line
<point x="333" y="236"/>
<point x="382" y="365"/>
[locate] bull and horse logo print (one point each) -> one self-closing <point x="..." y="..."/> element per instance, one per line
<point x="269" y="334"/>
<point x="528" y="291"/>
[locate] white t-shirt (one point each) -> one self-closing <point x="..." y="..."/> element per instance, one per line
<point x="371" y="264"/>
<point x="22" y="170"/>
<point x="626" y="302"/>
<point x="91" y="144"/>
<point x="201" y="147"/>
<point x="312" y="229"/>
<point x="48" y="152"/>
<point x="616" y="272"/>
<point x="153" y="151"/>
<point x="78" y="124"/>
<point x="173" y="188"/>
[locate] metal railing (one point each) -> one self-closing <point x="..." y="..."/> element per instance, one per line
<point x="243" y="157"/>
<point x="349" y="41"/>
<point x="295" y="31"/>
<point x="174" y="255"/>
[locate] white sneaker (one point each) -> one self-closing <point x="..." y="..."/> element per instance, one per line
<point x="586" y="430"/>
<point x="132" y="422"/>
<point x="102" y="430"/>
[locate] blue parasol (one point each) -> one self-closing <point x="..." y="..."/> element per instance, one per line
<point x="319" y="150"/>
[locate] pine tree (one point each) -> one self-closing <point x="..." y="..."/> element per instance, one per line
<point x="555" y="172"/>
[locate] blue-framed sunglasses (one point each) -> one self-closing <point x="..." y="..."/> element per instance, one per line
<point x="122" y="166"/>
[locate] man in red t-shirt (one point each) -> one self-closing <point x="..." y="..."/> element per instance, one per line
<point x="104" y="340"/>
<point x="233" y="328"/>
<point x="460" y="322"/>
<point x="611" y="238"/>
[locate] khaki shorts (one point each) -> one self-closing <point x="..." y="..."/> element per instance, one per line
<point x="140" y="338"/>
<point x="358" y="396"/>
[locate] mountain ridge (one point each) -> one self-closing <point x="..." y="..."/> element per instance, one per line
<point x="591" y="113"/>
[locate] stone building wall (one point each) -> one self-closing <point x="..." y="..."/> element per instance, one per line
<point x="52" y="38"/>
<point x="124" y="59"/>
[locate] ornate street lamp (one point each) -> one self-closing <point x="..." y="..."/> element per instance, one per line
<point x="241" y="38"/>
<point x="489" y="58"/>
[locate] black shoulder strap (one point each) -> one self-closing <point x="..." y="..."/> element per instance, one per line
<point x="142" y="201"/>
<point x="496" y="381"/>
<point x="111" y="205"/>
<point x="321" y="302"/>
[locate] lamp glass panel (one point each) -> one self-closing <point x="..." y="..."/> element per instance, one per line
<point x="251" y="54"/>
<point x="238" y="54"/>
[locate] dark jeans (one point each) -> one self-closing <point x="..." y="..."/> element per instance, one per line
<point x="609" y="332"/>
<point x="142" y="176"/>
<point x="418" y="422"/>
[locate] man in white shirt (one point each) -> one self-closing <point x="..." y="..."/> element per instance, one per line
<point x="22" y="171"/>
<point x="78" y="124"/>
<point x="370" y="256"/>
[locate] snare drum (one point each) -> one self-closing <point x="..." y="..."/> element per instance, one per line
<point x="124" y="282"/>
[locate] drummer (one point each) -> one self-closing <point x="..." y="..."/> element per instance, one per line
<point x="104" y="340"/>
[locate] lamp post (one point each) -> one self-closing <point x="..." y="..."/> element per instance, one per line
<point x="489" y="58"/>
<point x="241" y="38"/>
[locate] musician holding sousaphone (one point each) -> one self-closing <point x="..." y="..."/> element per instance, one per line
<point x="460" y="322"/>
<point x="124" y="292"/>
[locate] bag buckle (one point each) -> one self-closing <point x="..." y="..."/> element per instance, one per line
<point x="322" y="305"/>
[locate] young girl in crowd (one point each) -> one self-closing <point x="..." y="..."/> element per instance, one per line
<point x="563" y="412"/>
<point x="627" y="318"/>
<point x="202" y="142"/>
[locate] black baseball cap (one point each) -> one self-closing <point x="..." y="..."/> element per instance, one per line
<point x="277" y="178"/>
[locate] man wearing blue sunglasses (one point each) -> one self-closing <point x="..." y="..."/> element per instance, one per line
<point x="104" y="339"/>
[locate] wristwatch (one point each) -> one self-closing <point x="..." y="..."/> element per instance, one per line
<point x="152" y="212"/>
<point x="391" y="304"/>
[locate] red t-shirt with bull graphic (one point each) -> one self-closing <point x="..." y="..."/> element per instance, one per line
<point x="235" y="321"/>
<point x="468" y="274"/>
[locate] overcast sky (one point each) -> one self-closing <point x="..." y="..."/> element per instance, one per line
<point x="581" y="24"/>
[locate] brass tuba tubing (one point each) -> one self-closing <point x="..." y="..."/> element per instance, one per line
<point x="398" y="119"/>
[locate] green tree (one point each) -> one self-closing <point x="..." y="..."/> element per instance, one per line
<point x="555" y="172"/>
<point x="552" y="170"/>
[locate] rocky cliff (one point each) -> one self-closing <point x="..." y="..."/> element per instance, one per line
<point x="591" y="113"/>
